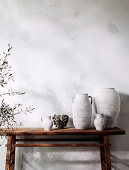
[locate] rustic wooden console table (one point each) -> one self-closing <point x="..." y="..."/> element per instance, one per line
<point x="101" y="137"/>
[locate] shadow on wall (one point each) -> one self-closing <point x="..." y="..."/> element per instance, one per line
<point x="60" y="158"/>
<point x="124" y="162"/>
<point x="121" y="143"/>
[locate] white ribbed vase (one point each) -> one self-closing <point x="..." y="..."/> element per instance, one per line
<point x="82" y="111"/>
<point x="107" y="102"/>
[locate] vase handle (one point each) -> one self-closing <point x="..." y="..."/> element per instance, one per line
<point x="94" y="105"/>
<point x="41" y="119"/>
<point x="73" y="99"/>
<point x="90" y="98"/>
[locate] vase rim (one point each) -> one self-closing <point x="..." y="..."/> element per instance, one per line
<point x="82" y="94"/>
<point x="49" y="117"/>
<point x="107" y="88"/>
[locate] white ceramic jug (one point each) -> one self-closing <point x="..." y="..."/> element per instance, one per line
<point x="99" y="122"/>
<point x="47" y="123"/>
<point x="82" y="111"/>
<point x="107" y="102"/>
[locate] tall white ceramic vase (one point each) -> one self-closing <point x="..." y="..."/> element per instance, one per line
<point x="82" y="111"/>
<point x="107" y="102"/>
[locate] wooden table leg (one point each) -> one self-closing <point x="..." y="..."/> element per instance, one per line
<point x="12" y="164"/>
<point x="107" y="153"/>
<point x="10" y="154"/>
<point x="102" y="153"/>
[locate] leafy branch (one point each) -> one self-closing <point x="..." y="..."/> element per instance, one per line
<point x="8" y="113"/>
<point x="12" y="93"/>
<point x="5" y="69"/>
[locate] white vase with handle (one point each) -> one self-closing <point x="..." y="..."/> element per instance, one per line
<point x="107" y="102"/>
<point x="47" y="123"/>
<point x="82" y="111"/>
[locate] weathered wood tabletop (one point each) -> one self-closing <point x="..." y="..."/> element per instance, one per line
<point x="67" y="131"/>
<point x="102" y="139"/>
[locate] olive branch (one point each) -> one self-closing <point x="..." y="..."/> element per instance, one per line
<point x="8" y="113"/>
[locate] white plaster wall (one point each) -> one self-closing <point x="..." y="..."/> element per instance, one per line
<point x="64" y="47"/>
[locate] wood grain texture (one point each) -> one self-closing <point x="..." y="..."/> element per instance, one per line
<point x="107" y="153"/>
<point x="68" y="131"/>
<point x="58" y="139"/>
<point x="12" y="163"/>
<point x="58" y="145"/>
<point x="8" y="153"/>
<point x="102" y="153"/>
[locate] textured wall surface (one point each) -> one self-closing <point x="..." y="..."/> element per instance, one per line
<point x="62" y="48"/>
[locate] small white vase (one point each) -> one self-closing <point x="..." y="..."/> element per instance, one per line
<point x="82" y="111"/>
<point x="47" y="123"/>
<point x="99" y="122"/>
